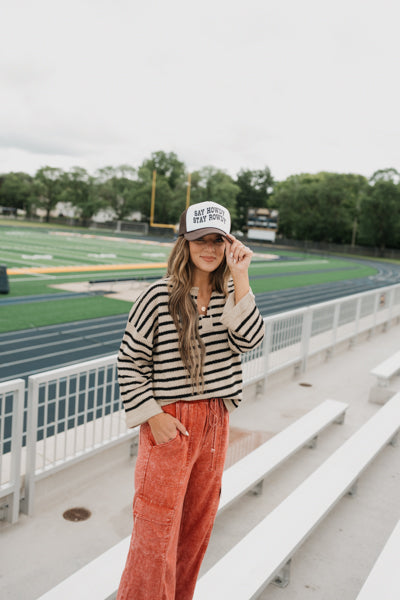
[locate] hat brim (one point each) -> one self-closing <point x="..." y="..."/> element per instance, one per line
<point x="195" y="235"/>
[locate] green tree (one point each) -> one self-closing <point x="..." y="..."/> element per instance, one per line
<point x="117" y="188"/>
<point x="170" y="192"/>
<point x="255" y="189"/>
<point x="215" y="185"/>
<point x="320" y="207"/>
<point x="143" y="191"/>
<point x="380" y="211"/>
<point x="16" y="190"/>
<point x="81" y="190"/>
<point x="168" y="166"/>
<point x="48" y="187"/>
<point x="390" y="174"/>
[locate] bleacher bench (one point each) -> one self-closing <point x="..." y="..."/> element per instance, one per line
<point x="264" y="554"/>
<point x="385" y="372"/>
<point x="99" y="579"/>
<point x="249" y="472"/>
<point x="383" y="583"/>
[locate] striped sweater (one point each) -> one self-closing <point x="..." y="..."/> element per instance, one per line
<point x="151" y="373"/>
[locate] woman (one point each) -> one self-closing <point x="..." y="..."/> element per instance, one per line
<point x="180" y="375"/>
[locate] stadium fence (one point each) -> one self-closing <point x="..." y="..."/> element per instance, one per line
<point x="75" y="411"/>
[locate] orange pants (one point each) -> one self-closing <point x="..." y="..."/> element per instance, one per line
<point x="177" y="490"/>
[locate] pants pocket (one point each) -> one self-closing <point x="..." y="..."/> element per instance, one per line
<point x="165" y="472"/>
<point x="152" y="513"/>
<point x="152" y="441"/>
<point x="172" y="409"/>
<point x="152" y="527"/>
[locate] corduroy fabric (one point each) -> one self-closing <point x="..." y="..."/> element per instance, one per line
<point x="177" y="491"/>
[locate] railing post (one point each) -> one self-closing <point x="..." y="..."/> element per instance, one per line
<point x="266" y="348"/>
<point x="391" y="294"/>
<point x="358" y="313"/>
<point x="396" y="302"/>
<point x="335" y="325"/>
<point x="12" y="487"/>
<point x="31" y="439"/>
<point x="305" y="337"/>
<point x="16" y="446"/>
<point x="376" y="308"/>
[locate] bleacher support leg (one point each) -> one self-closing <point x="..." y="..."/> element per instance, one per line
<point x="133" y="448"/>
<point x="353" y="490"/>
<point x="260" y="388"/>
<point x="312" y="443"/>
<point x="283" y="579"/>
<point x="258" y="488"/>
<point x="340" y="419"/>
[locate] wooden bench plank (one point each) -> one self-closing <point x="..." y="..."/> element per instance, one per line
<point x="384" y="582"/>
<point x="99" y="579"/>
<point x="257" y="559"/>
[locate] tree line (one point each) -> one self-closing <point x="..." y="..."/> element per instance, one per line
<point x="323" y="207"/>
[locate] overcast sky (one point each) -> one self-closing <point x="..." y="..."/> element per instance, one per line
<point x="296" y="85"/>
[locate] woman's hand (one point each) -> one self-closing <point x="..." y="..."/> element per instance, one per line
<point x="163" y="427"/>
<point x="238" y="256"/>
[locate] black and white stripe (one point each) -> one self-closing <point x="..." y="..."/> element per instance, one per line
<point x="150" y="370"/>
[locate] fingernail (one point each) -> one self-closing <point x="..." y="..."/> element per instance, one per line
<point x="234" y="261"/>
<point x="186" y="433"/>
<point x="231" y="255"/>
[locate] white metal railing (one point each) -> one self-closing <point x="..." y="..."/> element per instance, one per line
<point x="75" y="411"/>
<point x="11" y="412"/>
<point x="293" y="337"/>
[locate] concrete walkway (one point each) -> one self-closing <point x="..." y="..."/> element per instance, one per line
<point x="40" y="551"/>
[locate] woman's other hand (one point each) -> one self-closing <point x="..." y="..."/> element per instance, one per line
<point x="164" y="428"/>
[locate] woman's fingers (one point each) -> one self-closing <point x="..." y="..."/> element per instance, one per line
<point x="181" y="427"/>
<point x="236" y="252"/>
<point x="242" y="252"/>
<point x="163" y="427"/>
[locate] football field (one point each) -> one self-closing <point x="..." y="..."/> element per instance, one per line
<point x="41" y="257"/>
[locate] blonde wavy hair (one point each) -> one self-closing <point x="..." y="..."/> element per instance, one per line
<point x="184" y="311"/>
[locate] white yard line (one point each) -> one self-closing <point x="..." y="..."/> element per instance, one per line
<point x="289" y="264"/>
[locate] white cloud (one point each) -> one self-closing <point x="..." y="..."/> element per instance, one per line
<point x="298" y="86"/>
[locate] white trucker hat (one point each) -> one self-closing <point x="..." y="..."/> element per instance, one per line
<point x="204" y="218"/>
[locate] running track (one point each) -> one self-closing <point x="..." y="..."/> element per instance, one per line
<point x="24" y="353"/>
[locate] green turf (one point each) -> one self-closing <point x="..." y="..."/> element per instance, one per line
<point x="44" y="245"/>
<point x="30" y="315"/>
<point x="283" y="283"/>
<point x="308" y="264"/>
<point x="50" y="248"/>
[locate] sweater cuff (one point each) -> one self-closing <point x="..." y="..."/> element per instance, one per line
<point x="233" y="314"/>
<point x="140" y="415"/>
<point x="229" y="405"/>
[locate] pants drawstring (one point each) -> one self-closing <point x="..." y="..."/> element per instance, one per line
<point x="215" y="418"/>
